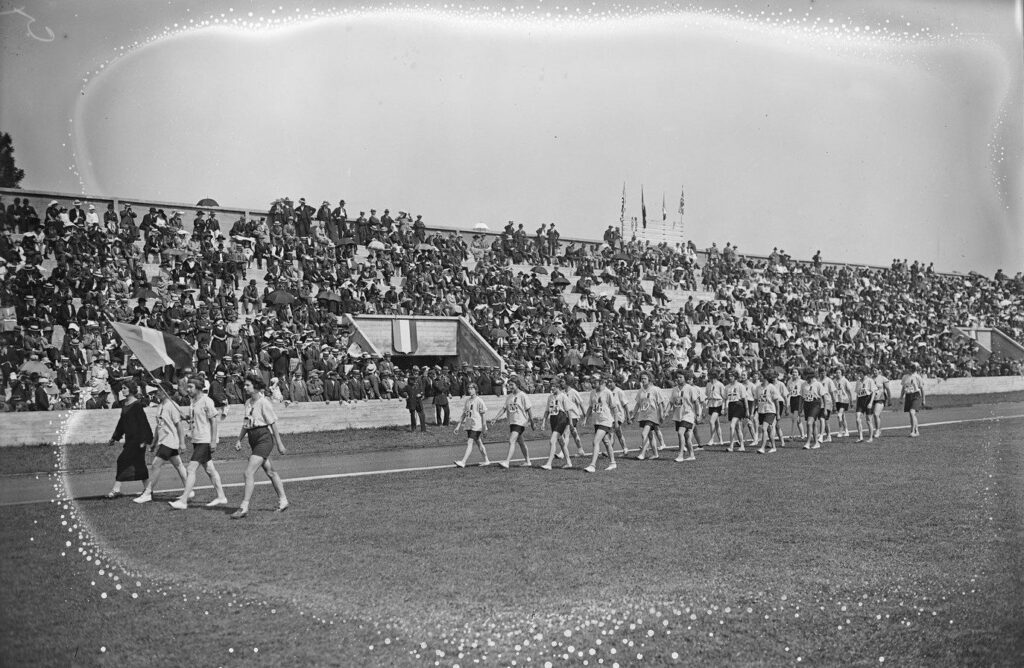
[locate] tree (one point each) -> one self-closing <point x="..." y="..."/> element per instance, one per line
<point x="10" y="175"/>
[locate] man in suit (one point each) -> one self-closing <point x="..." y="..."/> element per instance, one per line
<point x="414" y="400"/>
<point x="442" y="392"/>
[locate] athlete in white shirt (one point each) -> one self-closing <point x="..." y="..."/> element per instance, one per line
<point x="844" y="399"/>
<point x="811" y="392"/>
<point x="517" y="407"/>
<point x="768" y="400"/>
<point x="600" y="408"/>
<point x="881" y="400"/>
<point x="648" y="412"/>
<point x="864" y="393"/>
<point x="474" y="416"/>
<point x="913" y="396"/>
<point x="685" y="406"/>
<point x="715" y="394"/>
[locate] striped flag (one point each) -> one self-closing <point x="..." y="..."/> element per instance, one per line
<point x="403" y="336"/>
<point x="643" y="207"/>
<point x="155" y="349"/>
<point x="622" y="210"/>
<point x="682" y="200"/>
<point x="664" y="212"/>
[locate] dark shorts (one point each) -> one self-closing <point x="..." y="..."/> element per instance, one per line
<point x="780" y="407"/>
<point x="878" y="403"/>
<point x="473" y="434"/>
<point x="606" y="428"/>
<point x="712" y="410"/>
<point x="261" y="440"/>
<point x="165" y="453"/>
<point x="559" y="423"/>
<point x="516" y="428"/>
<point x="766" y="418"/>
<point x="573" y="421"/>
<point x="794" y="404"/>
<point x="683" y="424"/>
<point x="911" y="401"/>
<point x="812" y="410"/>
<point x="737" y="409"/>
<point x="648" y="423"/>
<point x="842" y="406"/>
<point x="864" y="404"/>
<point x="201" y="453"/>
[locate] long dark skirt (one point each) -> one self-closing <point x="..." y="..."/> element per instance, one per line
<point x="131" y="463"/>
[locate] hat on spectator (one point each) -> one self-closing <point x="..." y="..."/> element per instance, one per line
<point x="52" y="202"/>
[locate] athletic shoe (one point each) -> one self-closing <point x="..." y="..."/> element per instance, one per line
<point x="178" y="504"/>
<point x="487" y="463"/>
<point x="655" y="456"/>
<point x="859" y="440"/>
<point x="525" y="465"/>
<point x="559" y="455"/>
<point x="742" y="448"/>
<point x="760" y="451"/>
<point x="590" y="469"/>
<point x="460" y="464"/>
<point x="846" y="433"/>
<point x="807" y="446"/>
<point x="191" y="495"/>
<point x="878" y="433"/>
<point x="567" y="465"/>
<point x="503" y="465"/>
<point x="145" y="497"/>
<point x="240" y="513"/>
<point x="112" y="494"/>
<point x="611" y="467"/>
<point x="772" y="450"/>
<point x="641" y="457"/>
<point x="816" y="446"/>
<point x="546" y="466"/>
<point x="729" y="449"/>
<point x="282" y="507"/>
<point x="680" y="458"/>
<point x="217" y="502"/>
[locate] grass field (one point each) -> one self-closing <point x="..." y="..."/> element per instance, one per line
<point x="910" y="552"/>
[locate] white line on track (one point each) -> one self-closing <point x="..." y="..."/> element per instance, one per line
<point x="331" y="476"/>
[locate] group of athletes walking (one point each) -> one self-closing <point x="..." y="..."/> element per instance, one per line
<point x="753" y="407"/>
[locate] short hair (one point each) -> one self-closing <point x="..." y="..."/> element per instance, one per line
<point x="132" y="387"/>
<point x="257" y="381"/>
<point x="198" y="381"/>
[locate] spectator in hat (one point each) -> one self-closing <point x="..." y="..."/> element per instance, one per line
<point x="415" y="394"/>
<point x="297" y="389"/>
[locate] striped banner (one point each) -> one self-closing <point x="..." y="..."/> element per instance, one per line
<point x="403" y="336"/>
<point x="155" y="349"/>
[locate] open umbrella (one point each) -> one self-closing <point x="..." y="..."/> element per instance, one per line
<point x="207" y="202"/>
<point x="145" y="293"/>
<point x="593" y="360"/>
<point x="560" y="280"/>
<point x="35" y="366"/>
<point x="499" y="333"/>
<point x="329" y="295"/>
<point x="376" y="245"/>
<point x="540" y="270"/>
<point x="481" y="227"/>
<point x="279" y="298"/>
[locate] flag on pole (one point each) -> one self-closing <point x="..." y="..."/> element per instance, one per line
<point x="155" y="349"/>
<point x="664" y="212"/>
<point x="682" y="200"/>
<point x="643" y="208"/>
<point x="622" y="211"/>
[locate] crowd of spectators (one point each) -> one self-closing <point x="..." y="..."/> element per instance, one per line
<point x="548" y="307"/>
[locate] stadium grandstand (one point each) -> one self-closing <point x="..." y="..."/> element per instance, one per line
<point x="265" y="292"/>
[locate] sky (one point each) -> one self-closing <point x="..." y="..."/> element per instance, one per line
<point x="869" y="129"/>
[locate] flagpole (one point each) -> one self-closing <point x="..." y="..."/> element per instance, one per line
<point x="150" y="373"/>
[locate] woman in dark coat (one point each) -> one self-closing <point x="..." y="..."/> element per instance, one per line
<point x="134" y="427"/>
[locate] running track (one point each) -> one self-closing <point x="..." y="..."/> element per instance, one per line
<point x="24" y="489"/>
